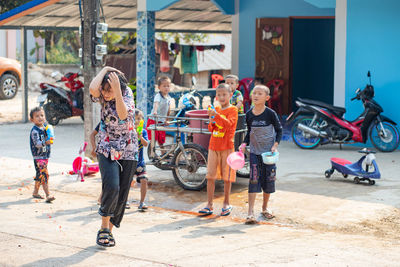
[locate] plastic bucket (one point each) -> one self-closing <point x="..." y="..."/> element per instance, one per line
<point x="270" y="158"/>
<point x="236" y="160"/>
<point x="200" y="139"/>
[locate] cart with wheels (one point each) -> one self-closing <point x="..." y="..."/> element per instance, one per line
<point x="187" y="160"/>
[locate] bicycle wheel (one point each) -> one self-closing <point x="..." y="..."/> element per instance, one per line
<point x="157" y="163"/>
<point x="384" y="139"/>
<point x="302" y="139"/>
<point x="190" y="176"/>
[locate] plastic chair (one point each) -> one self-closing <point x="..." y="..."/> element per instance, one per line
<point x="216" y="78"/>
<point x="245" y="83"/>
<point x="276" y="98"/>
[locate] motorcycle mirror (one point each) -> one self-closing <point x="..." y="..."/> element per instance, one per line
<point x="358" y="90"/>
<point x="55" y="74"/>
<point x="369" y="76"/>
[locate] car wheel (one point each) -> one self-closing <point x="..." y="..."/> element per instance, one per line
<point x="8" y="86"/>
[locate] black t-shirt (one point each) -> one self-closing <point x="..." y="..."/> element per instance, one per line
<point x="263" y="130"/>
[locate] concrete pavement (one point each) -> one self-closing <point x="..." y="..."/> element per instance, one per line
<point x="319" y="221"/>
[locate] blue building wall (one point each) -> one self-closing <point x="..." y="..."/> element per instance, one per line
<point x="252" y="9"/>
<point x="373" y="43"/>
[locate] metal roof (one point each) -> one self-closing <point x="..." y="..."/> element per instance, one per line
<point x="185" y="15"/>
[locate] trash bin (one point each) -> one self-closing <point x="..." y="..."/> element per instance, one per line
<point x="200" y="139"/>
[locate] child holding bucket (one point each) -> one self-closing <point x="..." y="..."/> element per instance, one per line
<point x="222" y="125"/>
<point x="264" y="132"/>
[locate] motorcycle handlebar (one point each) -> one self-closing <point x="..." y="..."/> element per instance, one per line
<point x="354" y="98"/>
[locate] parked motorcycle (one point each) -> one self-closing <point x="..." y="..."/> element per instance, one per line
<point x="327" y="125"/>
<point x="59" y="103"/>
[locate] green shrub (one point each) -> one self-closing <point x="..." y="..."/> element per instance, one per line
<point x="59" y="55"/>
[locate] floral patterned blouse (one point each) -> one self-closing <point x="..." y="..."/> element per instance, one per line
<point x="117" y="138"/>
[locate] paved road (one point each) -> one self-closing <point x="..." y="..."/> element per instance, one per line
<point x="319" y="221"/>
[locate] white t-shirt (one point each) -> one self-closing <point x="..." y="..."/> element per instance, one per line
<point x="163" y="105"/>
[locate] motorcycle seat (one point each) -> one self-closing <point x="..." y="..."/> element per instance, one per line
<point x="339" y="111"/>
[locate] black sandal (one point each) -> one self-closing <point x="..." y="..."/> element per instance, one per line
<point x="103" y="234"/>
<point x="111" y="240"/>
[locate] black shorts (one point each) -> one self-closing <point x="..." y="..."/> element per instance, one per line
<point x="140" y="173"/>
<point x="262" y="176"/>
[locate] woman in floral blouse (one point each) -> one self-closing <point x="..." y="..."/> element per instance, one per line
<point x="117" y="148"/>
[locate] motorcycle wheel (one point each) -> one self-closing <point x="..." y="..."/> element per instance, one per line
<point x="384" y="139"/>
<point x="302" y="139"/>
<point x="51" y="114"/>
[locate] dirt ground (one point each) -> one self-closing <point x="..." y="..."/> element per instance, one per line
<point x="11" y="110"/>
<point x="319" y="221"/>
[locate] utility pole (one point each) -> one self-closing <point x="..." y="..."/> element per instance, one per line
<point x="90" y="18"/>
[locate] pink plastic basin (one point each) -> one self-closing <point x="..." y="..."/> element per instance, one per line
<point x="236" y="160"/>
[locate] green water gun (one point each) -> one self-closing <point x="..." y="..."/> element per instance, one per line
<point x="139" y="129"/>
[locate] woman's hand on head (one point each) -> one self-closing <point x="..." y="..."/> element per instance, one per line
<point x="113" y="80"/>
<point x="111" y="69"/>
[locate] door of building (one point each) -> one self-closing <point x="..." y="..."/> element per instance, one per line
<point x="273" y="55"/>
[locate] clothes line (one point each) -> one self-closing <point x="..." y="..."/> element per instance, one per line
<point x="186" y="60"/>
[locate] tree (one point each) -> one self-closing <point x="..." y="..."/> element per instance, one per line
<point x="7" y="5"/>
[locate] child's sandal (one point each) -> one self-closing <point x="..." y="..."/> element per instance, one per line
<point x="251" y="219"/>
<point x="37" y="196"/>
<point x="267" y="215"/>
<point x="104" y="235"/>
<point x="111" y="240"/>
<point x="50" y="199"/>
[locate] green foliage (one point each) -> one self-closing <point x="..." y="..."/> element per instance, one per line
<point x="111" y="39"/>
<point x="35" y="49"/>
<point x="7" y="5"/>
<point x="132" y="85"/>
<point x="59" y="55"/>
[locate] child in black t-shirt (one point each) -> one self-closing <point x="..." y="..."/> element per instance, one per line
<point x="40" y="148"/>
<point x="264" y="132"/>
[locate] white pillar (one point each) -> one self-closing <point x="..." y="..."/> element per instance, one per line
<point x="339" y="91"/>
<point x="235" y="40"/>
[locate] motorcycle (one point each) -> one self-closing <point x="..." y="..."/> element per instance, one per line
<point x="327" y="125"/>
<point x="59" y="103"/>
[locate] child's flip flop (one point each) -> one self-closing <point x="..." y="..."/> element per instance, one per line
<point x="227" y="211"/>
<point x="206" y="211"/>
<point x="37" y="196"/>
<point x="50" y="199"/>
<point x="251" y="220"/>
<point x="267" y="215"/>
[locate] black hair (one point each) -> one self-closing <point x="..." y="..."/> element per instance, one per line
<point x="138" y="112"/>
<point x="162" y="79"/>
<point x="259" y="79"/>
<point x="34" y="110"/>
<point x="223" y="86"/>
<point x="122" y="80"/>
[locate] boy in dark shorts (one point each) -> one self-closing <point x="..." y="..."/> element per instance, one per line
<point x="141" y="175"/>
<point x="264" y="132"/>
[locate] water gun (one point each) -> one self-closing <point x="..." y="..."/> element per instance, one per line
<point x="139" y="129"/>
<point x="211" y="107"/>
<point x="50" y="133"/>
